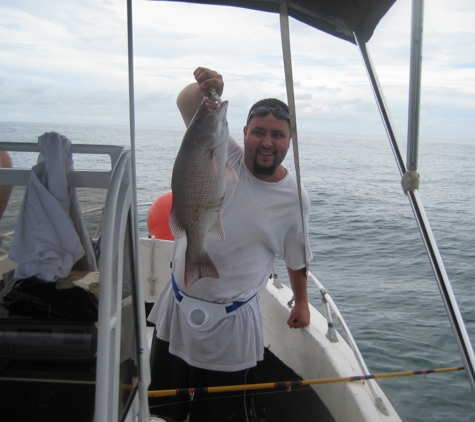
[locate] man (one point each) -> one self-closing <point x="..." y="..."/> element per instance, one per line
<point x="261" y="218"/>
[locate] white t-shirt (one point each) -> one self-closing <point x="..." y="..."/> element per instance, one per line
<point x="260" y="219"/>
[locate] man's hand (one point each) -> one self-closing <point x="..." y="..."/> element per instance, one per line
<point x="190" y="97"/>
<point x="207" y="78"/>
<point x="299" y="316"/>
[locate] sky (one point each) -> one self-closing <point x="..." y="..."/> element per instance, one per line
<point x="65" y="61"/>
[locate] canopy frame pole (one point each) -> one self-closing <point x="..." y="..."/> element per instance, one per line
<point x="442" y="279"/>
<point x="415" y="84"/>
<point x="287" y="58"/>
<point x="286" y="52"/>
<point x="380" y="102"/>
<point x="142" y="339"/>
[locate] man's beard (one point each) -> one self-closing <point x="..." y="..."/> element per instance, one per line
<point x="264" y="171"/>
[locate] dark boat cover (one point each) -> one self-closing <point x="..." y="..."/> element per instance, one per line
<point x="339" y="18"/>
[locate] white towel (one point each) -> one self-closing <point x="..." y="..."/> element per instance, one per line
<point x="46" y="243"/>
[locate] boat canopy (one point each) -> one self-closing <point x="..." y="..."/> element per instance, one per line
<point x="339" y="18"/>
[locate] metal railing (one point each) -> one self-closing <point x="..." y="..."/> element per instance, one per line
<point x="330" y="307"/>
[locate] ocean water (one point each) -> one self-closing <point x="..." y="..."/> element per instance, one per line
<point x="367" y="248"/>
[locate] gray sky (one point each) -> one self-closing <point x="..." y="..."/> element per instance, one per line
<point x="65" y="61"/>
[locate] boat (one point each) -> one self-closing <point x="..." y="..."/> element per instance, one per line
<point x="113" y="382"/>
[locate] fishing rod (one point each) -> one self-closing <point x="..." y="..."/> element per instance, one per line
<point x="293" y="384"/>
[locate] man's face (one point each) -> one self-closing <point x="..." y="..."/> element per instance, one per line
<point x="266" y="142"/>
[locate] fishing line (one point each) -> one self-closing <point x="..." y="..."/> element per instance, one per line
<point x="289" y="385"/>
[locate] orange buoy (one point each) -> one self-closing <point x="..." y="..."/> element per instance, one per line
<point x="157" y="219"/>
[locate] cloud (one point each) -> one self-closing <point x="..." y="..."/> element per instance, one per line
<point x="67" y="60"/>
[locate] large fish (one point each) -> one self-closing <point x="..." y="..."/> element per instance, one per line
<point x="198" y="185"/>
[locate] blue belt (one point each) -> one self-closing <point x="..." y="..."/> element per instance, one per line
<point x="230" y="308"/>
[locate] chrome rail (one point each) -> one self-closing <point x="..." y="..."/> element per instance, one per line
<point x="119" y="234"/>
<point x="331" y="306"/>
<point x="76" y="178"/>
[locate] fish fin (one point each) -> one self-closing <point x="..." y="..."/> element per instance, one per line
<point x="203" y="266"/>
<point x="176" y="228"/>
<point x="214" y="163"/>
<point x="231" y="175"/>
<point x="216" y="232"/>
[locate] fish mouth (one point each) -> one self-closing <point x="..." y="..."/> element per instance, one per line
<point x="214" y="106"/>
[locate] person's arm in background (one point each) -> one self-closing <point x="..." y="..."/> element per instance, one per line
<point x="300" y="313"/>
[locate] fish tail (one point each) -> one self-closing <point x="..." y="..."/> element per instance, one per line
<point x="201" y="266"/>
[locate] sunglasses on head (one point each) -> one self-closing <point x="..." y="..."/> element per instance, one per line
<point x="263" y="111"/>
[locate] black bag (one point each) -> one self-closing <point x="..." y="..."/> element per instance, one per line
<point x="36" y="298"/>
